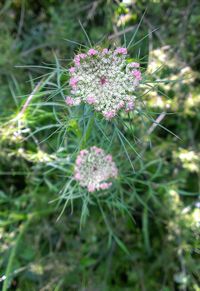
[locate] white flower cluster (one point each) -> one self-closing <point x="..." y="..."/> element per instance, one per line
<point x="93" y="168"/>
<point x="104" y="79"/>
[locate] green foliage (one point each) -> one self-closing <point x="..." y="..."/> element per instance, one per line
<point x="143" y="234"/>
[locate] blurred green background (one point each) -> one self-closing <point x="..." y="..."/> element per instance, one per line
<point x="36" y="251"/>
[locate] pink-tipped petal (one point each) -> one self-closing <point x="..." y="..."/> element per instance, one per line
<point x="77" y="60"/>
<point x="105" y="51"/>
<point x="105" y="186"/>
<point x="137" y="74"/>
<point x="78" y="161"/>
<point x="109" y="115"/>
<point x="120" y="105"/>
<point x="134" y="65"/>
<point x="98" y="150"/>
<point x="91" y="188"/>
<point x="129" y="106"/>
<point x="72" y="70"/>
<point x="77" y="176"/>
<point x="83" y="153"/>
<point x="109" y="158"/>
<point x="91" y="100"/>
<point x="121" y="50"/>
<point x="73" y="82"/>
<point x="69" y="100"/>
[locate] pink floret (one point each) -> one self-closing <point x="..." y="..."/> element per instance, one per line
<point x="91" y="188"/>
<point x="92" y="52"/>
<point x="130" y="106"/>
<point x="105" y="51"/>
<point x="120" y="105"/>
<point x="98" y="150"/>
<point x="78" y="161"/>
<point x="77" y="176"/>
<point x="109" y="158"/>
<point x="91" y="100"/>
<point x="134" y="65"/>
<point x="83" y="153"/>
<point x="82" y="56"/>
<point x="109" y="114"/>
<point x="137" y="74"/>
<point x="77" y="60"/>
<point x="73" y="82"/>
<point x="104" y="186"/>
<point x="121" y="50"/>
<point x="69" y="100"/>
<point x="72" y="69"/>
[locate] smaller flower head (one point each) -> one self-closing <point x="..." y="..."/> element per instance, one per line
<point x="93" y="169"/>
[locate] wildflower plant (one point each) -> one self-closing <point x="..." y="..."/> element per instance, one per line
<point x="100" y="118"/>
<point x="107" y="81"/>
<point x="82" y="139"/>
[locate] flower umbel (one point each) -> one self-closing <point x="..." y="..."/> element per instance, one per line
<point x="93" y="169"/>
<point x="104" y="79"/>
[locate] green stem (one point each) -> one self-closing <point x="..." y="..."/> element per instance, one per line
<point x="87" y="132"/>
<point x="13" y="253"/>
<point x="145" y="230"/>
